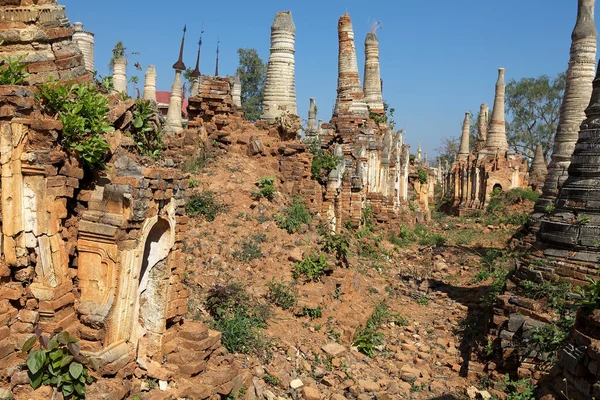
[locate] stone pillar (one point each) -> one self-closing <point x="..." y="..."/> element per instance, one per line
<point x="580" y="73"/>
<point x="496" y="137"/>
<point x="280" y="87"/>
<point x="311" y="127"/>
<point x="173" y="124"/>
<point x="236" y="92"/>
<point x="85" y="42"/>
<point x="150" y="84"/>
<point x="482" y="126"/>
<point x="538" y="165"/>
<point x="350" y="96"/>
<point x="372" y="88"/>
<point x="120" y="75"/>
<point x="463" y="151"/>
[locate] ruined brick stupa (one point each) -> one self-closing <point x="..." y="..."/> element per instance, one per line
<point x="280" y="86"/>
<point x="41" y="33"/>
<point x="580" y="73"/>
<point x="350" y="96"/>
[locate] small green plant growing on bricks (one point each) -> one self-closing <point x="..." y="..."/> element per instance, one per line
<point x="58" y="363"/>
<point x="266" y="188"/>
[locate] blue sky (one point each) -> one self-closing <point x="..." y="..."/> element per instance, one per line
<point x="439" y="58"/>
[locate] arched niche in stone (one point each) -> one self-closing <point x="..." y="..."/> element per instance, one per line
<point x="141" y="304"/>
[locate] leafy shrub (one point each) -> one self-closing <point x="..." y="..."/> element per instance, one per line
<point x="204" y="204"/>
<point x="590" y="295"/>
<point x="312" y="268"/>
<point x="239" y="317"/>
<point x="500" y="200"/>
<point x="148" y="140"/>
<point x="271" y="380"/>
<point x="58" y="363"/>
<point x="517" y="390"/>
<point x="266" y="188"/>
<point x="313" y="313"/>
<point x="335" y="244"/>
<point x="367" y="338"/>
<point x="428" y="238"/>
<point x="550" y="209"/>
<point x="281" y="294"/>
<point x="422" y="175"/>
<point x="83" y="111"/>
<point x="12" y="71"/>
<point x="556" y="293"/>
<point x="548" y="337"/>
<point x="293" y="216"/>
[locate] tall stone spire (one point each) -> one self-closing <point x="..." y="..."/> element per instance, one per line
<point x="217" y="62"/>
<point x="463" y="151"/>
<point x="150" y="84"/>
<point x="195" y="74"/>
<point x="350" y="96"/>
<point x="538" y="165"/>
<point x="311" y="126"/>
<point x="496" y="137"/>
<point x="280" y="86"/>
<point x="173" y="123"/>
<point x="85" y="42"/>
<point x="573" y="229"/>
<point x="482" y="126"/>
<point x="372" y="87"/>
<point x="580" y="73"/>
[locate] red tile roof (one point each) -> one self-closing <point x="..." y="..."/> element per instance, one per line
<point x="164" y="97"/>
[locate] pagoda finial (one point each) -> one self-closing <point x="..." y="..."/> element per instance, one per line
<point x="217" y="65"/>
<point x="196" y="72"/>
<point x="179" y="65"/>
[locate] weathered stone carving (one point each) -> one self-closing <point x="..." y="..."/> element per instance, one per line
<point x="311" y="126"/>
<point x="482" y="127"/>
<point x="280" y="87"/>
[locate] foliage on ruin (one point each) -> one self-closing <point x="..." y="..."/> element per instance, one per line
<point x="533" y="108"/>
<point x="312" y="268"/>
<point x="200" y="160"/>
<point x="555" y="293"/>
<point x="282" y="295"/>
<point x="253" y="73"/>
<point x="205" y="204"/>
<point x="521" y="389"/>
<point x="590" y="295"/>
<point x="118" y="53"/>
<point x="323" y="162"/>
<point x="147" y="137"/>
<point x="293" y="216"/>
<point x="83" y="111"/>
<point x="57" y="362"/>
<point x="266" y="188"/>
<point x="12" y="71"/>
<point x="368" y="338"/>
<point x="238" y="316"/>
<point x="422" y="175"/>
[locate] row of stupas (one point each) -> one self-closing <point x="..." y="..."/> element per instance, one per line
<point x="561" y="241"/>
<point x="490" y="165"/>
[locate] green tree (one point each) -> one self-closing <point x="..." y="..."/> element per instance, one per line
<point x="448" y="150"/>
<point x="252" y="72"/>
<point x="533" y="107"/>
